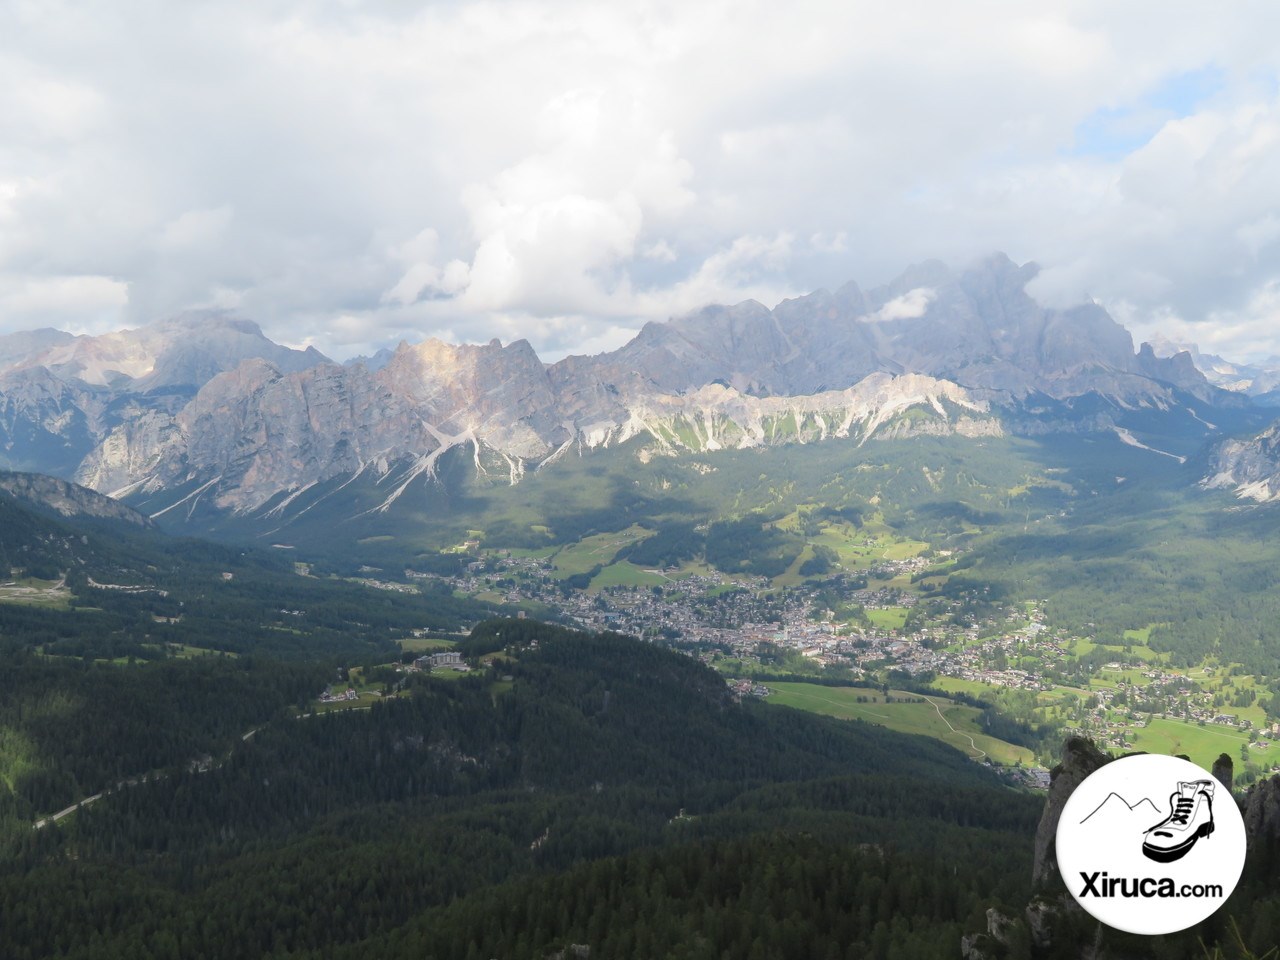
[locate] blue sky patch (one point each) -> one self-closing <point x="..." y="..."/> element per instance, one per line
<point x="1111" y="133"/>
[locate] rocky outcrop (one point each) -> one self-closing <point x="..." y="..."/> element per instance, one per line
<point x="1262" y="810"/>
<point x="1224" y="770"/>
<point x="1079" y="759"/>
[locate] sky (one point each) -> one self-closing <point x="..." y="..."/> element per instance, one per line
<point x="353" y="174"/>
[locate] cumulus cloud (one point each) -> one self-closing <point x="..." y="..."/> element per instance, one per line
<point x="422" y="277"/>
<point x="351" y="175"/>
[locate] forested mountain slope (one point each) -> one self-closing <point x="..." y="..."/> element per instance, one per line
<point x="321" y="832"/>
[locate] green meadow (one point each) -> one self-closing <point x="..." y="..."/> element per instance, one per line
<point x="937" y="717"/>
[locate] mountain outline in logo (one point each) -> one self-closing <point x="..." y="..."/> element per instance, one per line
<point x="1130" y="808"/>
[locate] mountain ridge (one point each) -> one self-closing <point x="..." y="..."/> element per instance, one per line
<point x="206" y="403"/>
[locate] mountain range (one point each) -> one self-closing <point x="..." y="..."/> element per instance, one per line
<point x="204" y="410"/>
<point x="1260" y="381"/>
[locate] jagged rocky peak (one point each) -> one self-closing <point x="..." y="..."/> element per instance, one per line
<point x="978" y="327"/>
<point x="929" y="275"/>
<point x="206" y="398"/>
<point x="503" y="393"/>
<point x="434" y="363"/>
<point x="1256" y="379"/>
<point x="737" y="344"/>
<point x="193" y="348"/>
<point x="375" y="362"/>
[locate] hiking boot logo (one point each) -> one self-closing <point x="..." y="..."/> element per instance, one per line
<point x="1126" y="855"/>
<point x="1190" y="818"/>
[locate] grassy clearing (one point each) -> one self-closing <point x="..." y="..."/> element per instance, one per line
<point x="523" y="553"/>
<point x="1201" y="744"/>
<point x="596" y="550"/>
<point x="1137" y="648"/>
<point x="418" y="644"/>
<point x="904" y="550"/>
<point x="861" y="547"/>
<point x="975" y="688"/>
<point x="627" y="574"/>
<point x="51" y="594"/>
<point x="791" y="576"/>
<point x="888" y="618"/>
<point x="933" y="717"/>
<point x="1142" y="636"/>
<point x="1112" y="678"/>
<point x="449" y="675"/>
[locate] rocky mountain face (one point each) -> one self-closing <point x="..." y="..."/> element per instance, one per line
<point x="18" y="348"/>
<point x="207" y="405"/>
<point x="50" y="495"/>
<point x="61" y="396"/>
<point x="1250" y="467"/>
<point x="183" y="352"/>
<point x="979" y="329"/>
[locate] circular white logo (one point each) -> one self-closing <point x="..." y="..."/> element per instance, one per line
<point x="1150" y="844"/>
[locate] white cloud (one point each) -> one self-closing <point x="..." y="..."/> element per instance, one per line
<point x="752" y="267"/>
<point x="195" y="228"/>
<point x="837" y="242"/>
<point x="1250" y="332"/>
<point x="566" y="170"/>
<point x="910" y="305"/>
<point x="660" y="251"/>
<point x="80" y="304"/>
